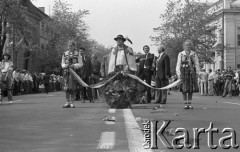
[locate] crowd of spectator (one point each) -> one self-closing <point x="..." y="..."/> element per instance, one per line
<point x="25" y="82"/>
<point x="219" y="83"/>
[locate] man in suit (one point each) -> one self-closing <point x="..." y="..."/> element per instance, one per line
<point x="95" y="76"/>
<point x="146" y="68"/>
<point x="162" y="75"/>
<point x="85" y="73"/>
<point x="46" y="79"/>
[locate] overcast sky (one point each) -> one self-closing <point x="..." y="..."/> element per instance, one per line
<point x="108" y="18"/>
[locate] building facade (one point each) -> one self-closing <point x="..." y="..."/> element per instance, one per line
<point x="227" y="30"/>
<point x="31" y="55"/>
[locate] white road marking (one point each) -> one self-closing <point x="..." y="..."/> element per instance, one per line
<point x="233" y="103"/>
<point x="17" y="101"/>
<point x="135" y="136"/>
<point x="112" y="110"/>
<point x="110" y="122"/>
<point x="107" y="140"/>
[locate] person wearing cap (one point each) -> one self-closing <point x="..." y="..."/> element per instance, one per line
<point x="229" y="74"/>
<point x="70" y="59"/>
<point x="6" y="67"/>
<point x="121" y="57"/>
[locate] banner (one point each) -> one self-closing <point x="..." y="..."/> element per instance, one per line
<point x="100" y="84"/>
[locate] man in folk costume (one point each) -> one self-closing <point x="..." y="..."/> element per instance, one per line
<point x="70" y="59"/>
<point x="121" y="57"/>
<point x="6" y="67"/>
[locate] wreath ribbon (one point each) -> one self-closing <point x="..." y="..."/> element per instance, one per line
<point x="100" y="84"/>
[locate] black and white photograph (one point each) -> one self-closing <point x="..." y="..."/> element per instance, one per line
<point x="119" y="75"/>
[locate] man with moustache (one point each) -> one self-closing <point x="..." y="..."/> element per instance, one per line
<point x="146" y="68"/>
<point x="163" y="73"/>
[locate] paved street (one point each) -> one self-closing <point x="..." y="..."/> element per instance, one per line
<point x="38" y="123"/>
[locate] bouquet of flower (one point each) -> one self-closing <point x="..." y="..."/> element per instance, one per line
<point x="122" y="91"/>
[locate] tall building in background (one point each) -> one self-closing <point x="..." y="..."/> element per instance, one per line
<point x="32" y="58"/>
<point x="227" y="46"/>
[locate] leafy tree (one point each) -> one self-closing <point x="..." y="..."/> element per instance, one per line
<point x="65" y="25"/>
<point x="186" y="20"/>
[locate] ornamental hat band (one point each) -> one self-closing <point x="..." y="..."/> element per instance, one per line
<point x="119" y="37"/>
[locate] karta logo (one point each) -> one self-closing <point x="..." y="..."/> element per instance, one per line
<point x="181" y="136"/>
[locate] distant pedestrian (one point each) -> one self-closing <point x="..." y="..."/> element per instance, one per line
<point x="46" y="82"/>
<point x="203" y="77"/>
<point x="229" y="74"/>
<point x="6" y="67"/>
<point x="210" y="82"/>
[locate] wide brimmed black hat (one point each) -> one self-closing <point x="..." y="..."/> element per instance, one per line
<point x="6" y="54"/>
<point x="119" y="37"/>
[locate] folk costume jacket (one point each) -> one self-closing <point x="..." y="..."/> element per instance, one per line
<point x="122" y="56"/>
<point x="74" y="58"/>
<point x="187" y="70"/>
<point x="183" y="58"/>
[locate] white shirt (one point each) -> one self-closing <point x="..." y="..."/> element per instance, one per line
<point x="236" y="76"/>
<point x="211" y="76"/>
<point x="28" y="77"/>
<point x="121" y="59"/>
<point x="159" y="57"/>
<point x="145" y="61"/>
<point x="6" y="65"/>
<point x="15" y="75"/>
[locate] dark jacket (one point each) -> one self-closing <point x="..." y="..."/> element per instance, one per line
<point x="148" y="62"/>
<point x="96" y="66"/>
<point x="163" y="67"/>
<point x="86" y="69"/>
<point x="46" y="79"/>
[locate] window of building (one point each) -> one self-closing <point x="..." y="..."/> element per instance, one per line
<point x="238" y="36"/>
<point x="238" y="66"/>
<point x="42" y="26"/>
